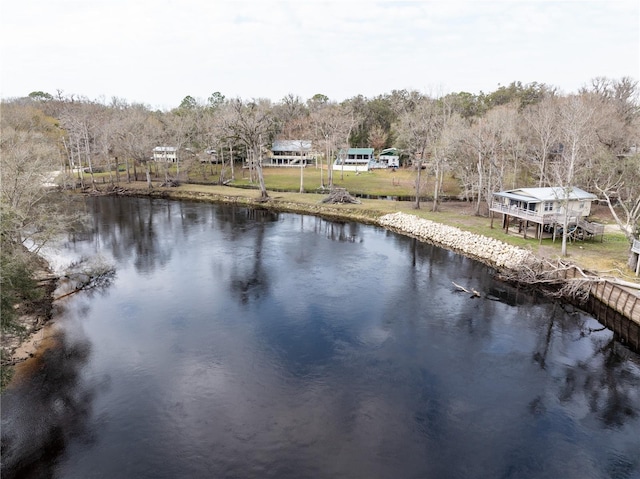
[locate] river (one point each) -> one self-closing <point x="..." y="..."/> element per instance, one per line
<point x="239" y="343"/>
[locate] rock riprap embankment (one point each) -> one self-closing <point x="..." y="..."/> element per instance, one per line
<point x="488" y="250"/>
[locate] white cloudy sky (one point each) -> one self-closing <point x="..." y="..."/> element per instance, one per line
<point x="159" y="51"/>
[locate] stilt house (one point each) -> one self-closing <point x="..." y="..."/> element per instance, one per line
<point x="544" y="210"/>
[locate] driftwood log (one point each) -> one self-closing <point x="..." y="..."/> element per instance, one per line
<point x="340" y="195"/>
<point x="171" y="183"/>
<point x="86" y="274"/>
<point x="472" y="292"/>
<point x="110" y="190"/>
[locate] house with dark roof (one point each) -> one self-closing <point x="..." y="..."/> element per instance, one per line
<point x="290" y="153"/>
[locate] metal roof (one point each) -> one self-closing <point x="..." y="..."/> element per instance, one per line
<point x="552" y="193"/>
<point x="360" y="151"/>
<point x="512" y="196"/>
<point x="291" y="145"/>
<point x="389" y="152"/>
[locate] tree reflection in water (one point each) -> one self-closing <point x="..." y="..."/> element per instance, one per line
<point x="596" y="378"/>
<point x="244" y="343"/>
<point x="253" y="283"/>
<point x="34" y="434"/>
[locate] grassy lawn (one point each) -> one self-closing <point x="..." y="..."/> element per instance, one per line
<point x="380" y="182"/>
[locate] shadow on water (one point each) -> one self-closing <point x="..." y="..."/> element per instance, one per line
<point x="626" y="331"/>
<point x="44" y="408"/>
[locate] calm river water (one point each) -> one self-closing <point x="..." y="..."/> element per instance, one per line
<point x="246" y="344"/>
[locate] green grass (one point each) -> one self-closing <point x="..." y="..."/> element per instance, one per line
<point x="374" y="183"/>
<point x="381" y="182"/>
<point x="377" y="183"/>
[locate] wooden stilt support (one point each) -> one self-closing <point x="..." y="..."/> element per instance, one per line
<point x="540" y="230"/>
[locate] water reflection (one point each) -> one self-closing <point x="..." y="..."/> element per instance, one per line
<point x="254" y="344"/>
<point x="249" y="279"/>
<point x="38" y="431"/>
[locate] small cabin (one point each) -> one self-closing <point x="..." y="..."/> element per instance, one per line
<point x="545" y="209"/>
<point x="354" y="159"/>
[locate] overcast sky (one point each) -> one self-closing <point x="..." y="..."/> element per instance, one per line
<point x="159" y="51"/>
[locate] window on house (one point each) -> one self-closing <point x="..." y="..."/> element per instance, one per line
<point x="548" y="205"/>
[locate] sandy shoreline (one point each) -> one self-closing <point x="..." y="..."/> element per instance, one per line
<point x="34" y="341"/>
<point x="36" y="320"/>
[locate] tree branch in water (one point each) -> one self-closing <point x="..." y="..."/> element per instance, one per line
<point x="87" y="274"/>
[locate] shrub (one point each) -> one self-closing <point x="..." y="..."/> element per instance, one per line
<point x="16" y="284"/>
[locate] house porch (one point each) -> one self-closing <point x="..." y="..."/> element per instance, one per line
<point x="549" y="225"/>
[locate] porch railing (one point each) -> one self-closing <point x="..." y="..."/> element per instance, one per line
<point x="522" y="213"/>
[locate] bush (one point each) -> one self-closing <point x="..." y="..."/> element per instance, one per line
<point x="16" y="284"/>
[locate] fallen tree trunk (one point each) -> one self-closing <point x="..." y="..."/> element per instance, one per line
<point x="472" y="292"/>
<point x="85" y="275"/>
<point x="340" y="195"/>
<point x="560" y="280"/>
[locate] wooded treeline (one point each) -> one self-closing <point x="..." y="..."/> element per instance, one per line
<point x="519" y="135"/>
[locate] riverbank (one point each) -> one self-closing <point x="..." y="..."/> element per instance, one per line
<point x="490" y="251"/>
<point x="31" y="324"/>
<point x="605" y="256"/>
<point x="453" y="227"/>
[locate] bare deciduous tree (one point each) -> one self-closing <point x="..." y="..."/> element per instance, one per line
<point x="29" y="152"/>
<point x="541" y="119"/>
<point x="419" y="129"/>
<point x="619" y="184"/>
<point x="576" y="131"/>
<point x="253" y="124"/>
<point x="331" y="123"/>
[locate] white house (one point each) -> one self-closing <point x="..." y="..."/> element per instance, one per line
<point x="389" y="158"/>
<point x="165" y="153"/>
<point x="546" y="208"/>
<point x="290" y="153"/>
<point x="354" y="159"/>
<point x="210" y="156"/>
